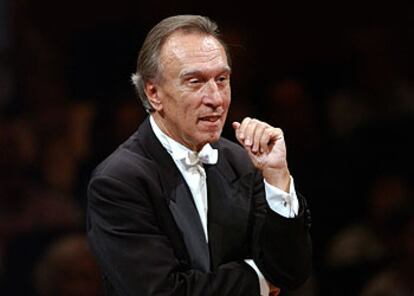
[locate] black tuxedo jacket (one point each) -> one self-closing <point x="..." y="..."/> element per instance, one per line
<point x="145" y="231"/>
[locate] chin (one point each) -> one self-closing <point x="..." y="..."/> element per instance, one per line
<point x="214" y="137"/>
<point x="211" y="138"/>
<point x="203" y="136"/>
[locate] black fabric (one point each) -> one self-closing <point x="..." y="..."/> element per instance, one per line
<point x="139" y="225"/>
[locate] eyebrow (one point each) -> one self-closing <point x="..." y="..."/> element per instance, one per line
<point x="195" y="72"/>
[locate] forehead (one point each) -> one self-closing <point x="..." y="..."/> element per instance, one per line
<point x="181" y="49"/>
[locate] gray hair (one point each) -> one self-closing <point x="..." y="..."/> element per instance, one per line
<point x="148" y="63"/>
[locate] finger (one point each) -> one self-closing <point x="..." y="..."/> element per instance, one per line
<point x="258" y="134"/>
<point x="249" y="132"/>
<point x="277" y="134"/>
<point x="276" y="138"/>
<point x="236" y="125"/>
<point x="265" y="140"/>
<point x="242" y="129"/>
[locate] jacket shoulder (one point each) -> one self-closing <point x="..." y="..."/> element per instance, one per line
<point x="127" y="163"/>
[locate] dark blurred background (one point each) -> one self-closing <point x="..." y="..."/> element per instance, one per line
<point x="338" y="78"/>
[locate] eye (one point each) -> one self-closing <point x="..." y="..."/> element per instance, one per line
<point x="222" y="79"/>
<point x="194" y="81"/>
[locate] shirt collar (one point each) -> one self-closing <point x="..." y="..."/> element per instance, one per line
<point x="178" y="151"/>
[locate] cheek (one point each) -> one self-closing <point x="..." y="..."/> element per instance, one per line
<point x="227" y="101"/>
<point x="187" y="115"/>
<point x="191" y="105"/>
<point x="227" y="95"/>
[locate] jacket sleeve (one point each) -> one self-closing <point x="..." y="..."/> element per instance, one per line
<point x="282" y="247"/>
<point x="135" y="254"/>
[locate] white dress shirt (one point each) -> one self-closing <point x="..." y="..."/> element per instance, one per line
<point x="283" y="203"/>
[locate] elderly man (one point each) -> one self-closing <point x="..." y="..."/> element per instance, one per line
<point x="179" y="210"/>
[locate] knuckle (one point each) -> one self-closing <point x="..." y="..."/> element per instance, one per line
<point x="278" y="130"/>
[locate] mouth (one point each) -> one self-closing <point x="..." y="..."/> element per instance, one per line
<point x="210" y="123"/>
<point x="210" y="118"/>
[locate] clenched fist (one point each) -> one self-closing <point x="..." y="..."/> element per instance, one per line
<point x="266" y="147"/>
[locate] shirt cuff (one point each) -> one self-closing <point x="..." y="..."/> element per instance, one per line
<point x="264" y="286"/>
<point x="281" y="202"/>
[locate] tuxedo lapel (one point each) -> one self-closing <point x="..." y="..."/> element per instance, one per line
<point x="187" y="218"/>
<point x="179" y="200"/>
<point x="228" y="211"/>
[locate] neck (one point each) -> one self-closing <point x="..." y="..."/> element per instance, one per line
<point x="160" y="121"/>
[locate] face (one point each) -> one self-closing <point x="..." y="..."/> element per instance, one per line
<point x="192" y="97"/>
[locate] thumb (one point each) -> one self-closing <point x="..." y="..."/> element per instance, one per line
<point x="236" y="125"/>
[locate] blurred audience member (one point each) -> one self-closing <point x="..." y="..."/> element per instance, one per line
<point x="68" y="269"/>
<point x="363" y="247"/>
<point x="347" y="111"/>
<point x="397" y="279"/>
<point x="126" y="115"/>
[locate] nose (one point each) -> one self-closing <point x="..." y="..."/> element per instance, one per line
<point x="212" y="95"/>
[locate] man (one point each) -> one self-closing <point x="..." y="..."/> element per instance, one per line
<point x="178" y="210"/>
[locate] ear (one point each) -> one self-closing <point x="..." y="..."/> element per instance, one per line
<point x="152" y="93"/>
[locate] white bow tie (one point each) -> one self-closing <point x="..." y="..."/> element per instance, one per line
<point x="207" y="155"/>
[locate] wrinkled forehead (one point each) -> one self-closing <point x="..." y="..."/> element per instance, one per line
<point x="192" y="47"/>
